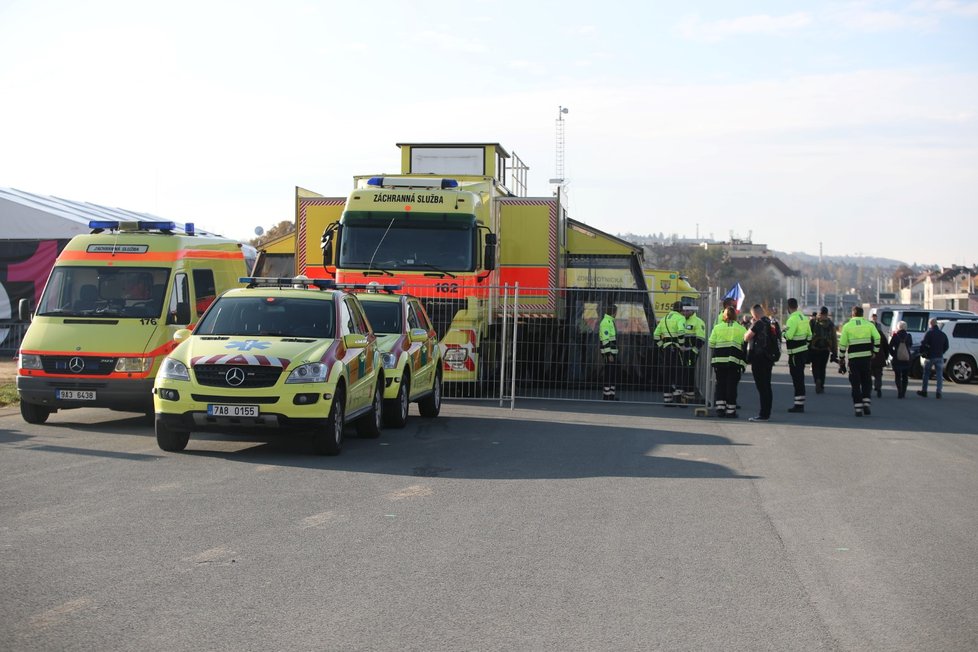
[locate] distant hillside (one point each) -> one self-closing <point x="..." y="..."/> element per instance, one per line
<point x="800" y="258"/>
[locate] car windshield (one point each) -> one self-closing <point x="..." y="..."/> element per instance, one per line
<point x="384" y="316"/>
<point x="424" y="243"/>
<point x="269" y="315"/>
<point x="104" y="292"/>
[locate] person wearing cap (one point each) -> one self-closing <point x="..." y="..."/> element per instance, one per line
<point x="669" y="337"/>
<point x="695" y="339"/>
<point x="797" y="334"/>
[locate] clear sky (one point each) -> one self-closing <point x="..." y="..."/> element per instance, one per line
<point x="854" y="124"/>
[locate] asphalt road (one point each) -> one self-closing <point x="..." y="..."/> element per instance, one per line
<point x="555" y="526"/>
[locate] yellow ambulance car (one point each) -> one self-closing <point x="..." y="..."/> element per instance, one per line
<point x="109" y="311"/>
<point x="409" y="351"/>
<point x="281" y="353"/>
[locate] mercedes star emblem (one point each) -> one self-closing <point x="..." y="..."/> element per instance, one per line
<point x="76" y="364"/>
<point x="235" y="376"/>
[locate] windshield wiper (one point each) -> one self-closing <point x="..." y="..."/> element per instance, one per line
<point x="371" y="270"/>
<point x="436" y="268"/>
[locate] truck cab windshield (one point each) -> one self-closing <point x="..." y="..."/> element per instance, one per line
<point x="396" y="241"/>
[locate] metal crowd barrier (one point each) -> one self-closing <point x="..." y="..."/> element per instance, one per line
<point x="11" y="335"/>
<point x="542" y="343"/>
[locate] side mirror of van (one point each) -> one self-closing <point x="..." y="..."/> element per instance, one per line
<point x="24" y="310"/>
<point x="330" y="235"/>
<point x="182" y="335"/>
<point x="489" y="259"/>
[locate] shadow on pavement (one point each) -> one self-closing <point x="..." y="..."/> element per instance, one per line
<point x="496" y="448"/>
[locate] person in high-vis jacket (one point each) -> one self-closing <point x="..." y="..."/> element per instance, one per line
<point x="608" y="338"/>
<point x="858" y="341"/>
<point x="728" y="357"/>
<point x="670" y="337"/>
<point x="695" y="339"/>
<point x="797" y="335"/>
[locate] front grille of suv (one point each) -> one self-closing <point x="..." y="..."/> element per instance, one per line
<point x="215" y="375"/>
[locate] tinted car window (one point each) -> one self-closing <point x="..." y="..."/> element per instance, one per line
<point x="273" y="316"/>
<point x="356" y="316"/>
<point x="969" y="331"/>
<point x="385" y="317"/>
<point x="916" y="321"/>
<point x="422" y="316"/>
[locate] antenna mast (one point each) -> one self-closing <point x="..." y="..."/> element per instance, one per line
<point x="559" y="171"/>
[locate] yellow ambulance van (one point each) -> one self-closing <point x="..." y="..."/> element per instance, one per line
<point x="107" y="316"/>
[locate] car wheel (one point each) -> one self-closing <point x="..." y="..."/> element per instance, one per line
<point x="34" y="413"/>
<point x="329" y="439"/>
<point x="369" y="425"/>
<point x="170" y="439"/>
<point x="961" y="369"/>
<point x="430" y="405"/>
<point x="396" y="410"/>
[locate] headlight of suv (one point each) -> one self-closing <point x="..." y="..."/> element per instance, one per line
<point x="314" y="372"/>
<point x="29" y="361"/>
<point x="389" y="360"/>
<point x="135" y="365"/>
<point x="174" y="370"/>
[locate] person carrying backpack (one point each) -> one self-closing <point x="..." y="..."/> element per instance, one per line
<point x="901" y="345"/>
<point x="824" y="347"/>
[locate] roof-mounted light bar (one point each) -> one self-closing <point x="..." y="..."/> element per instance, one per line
<point x="412" y="182"/>
<point x="98" y="226"/>
<point x="373" y="287"/>
<point x="287" y="282"/>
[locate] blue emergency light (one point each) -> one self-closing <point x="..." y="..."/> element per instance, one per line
<point x="444" y="184"/>
<point x="286" y="281"/>
<point x="116" y="225"/>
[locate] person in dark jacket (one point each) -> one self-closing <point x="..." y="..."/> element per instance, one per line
<point x="760" y="364"/>
<point x="932" y="350"/>
<point x="901" y="344"/>
<point x="824" y="346"/>
<point x="878" y="362"/>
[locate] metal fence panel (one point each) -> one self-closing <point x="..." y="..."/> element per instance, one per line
<point x="11" y="335"/>
<point x="513" y="349"/>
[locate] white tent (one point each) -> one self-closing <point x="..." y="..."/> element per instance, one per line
<point x="26" y="216"/>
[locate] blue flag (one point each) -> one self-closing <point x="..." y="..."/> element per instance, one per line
<point x="737" y="293"/>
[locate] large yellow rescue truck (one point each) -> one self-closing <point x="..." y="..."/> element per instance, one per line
<point x="455" y="229"/>
<point x="109" y="310"/>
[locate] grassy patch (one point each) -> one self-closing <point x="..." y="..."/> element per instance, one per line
<point x="8" y="394"/>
